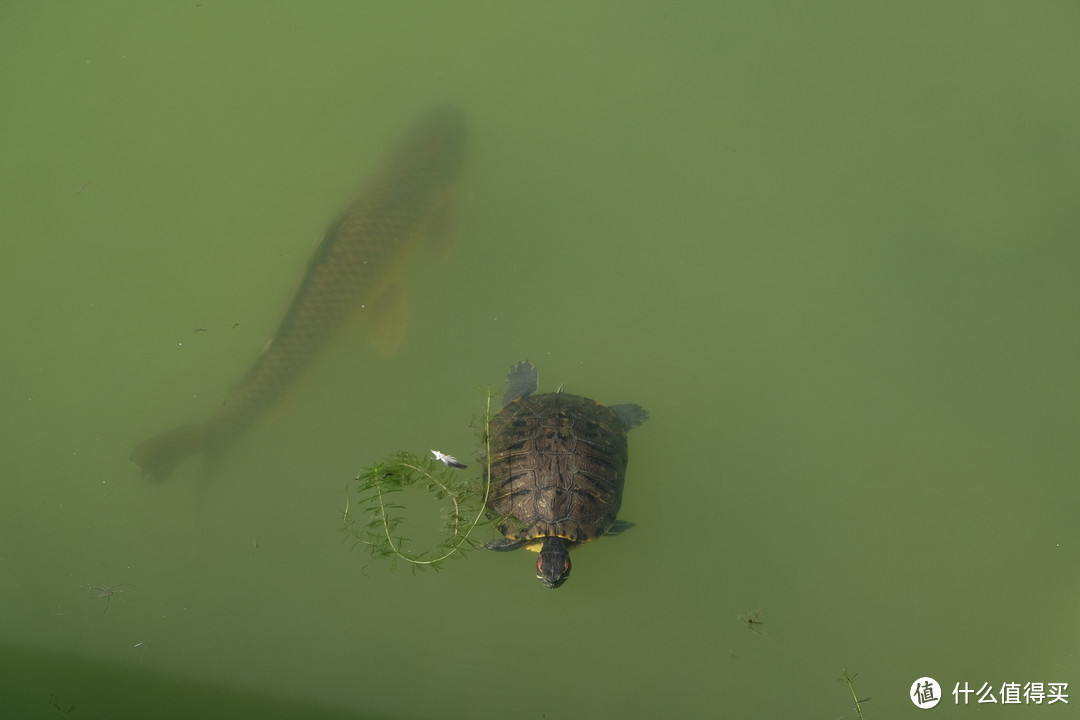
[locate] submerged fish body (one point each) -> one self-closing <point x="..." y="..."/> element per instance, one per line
<point x="352" y="269"/>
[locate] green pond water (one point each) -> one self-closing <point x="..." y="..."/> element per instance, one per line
<point x="831" y="247"/>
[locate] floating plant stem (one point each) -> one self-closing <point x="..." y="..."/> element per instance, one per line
<point x="850" y="680"/>
<point x="382" y="514"/>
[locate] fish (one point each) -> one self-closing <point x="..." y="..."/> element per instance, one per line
<point x="355" y="270"/>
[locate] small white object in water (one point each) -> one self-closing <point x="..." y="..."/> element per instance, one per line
<point x="448" y="460"/>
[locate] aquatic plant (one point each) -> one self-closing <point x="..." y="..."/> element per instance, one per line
<point x="375" y="508"/>
<point x="850" y="680"/>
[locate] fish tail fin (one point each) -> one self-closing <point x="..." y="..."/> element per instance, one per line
<point x="157" y="456"/>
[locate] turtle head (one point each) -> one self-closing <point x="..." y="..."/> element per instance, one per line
<point x="553" y="565"/>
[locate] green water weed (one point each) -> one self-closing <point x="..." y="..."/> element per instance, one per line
<point x="850" y="680"/>
<point x="374" y="510"/>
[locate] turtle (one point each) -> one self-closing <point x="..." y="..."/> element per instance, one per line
<point x="556" y="470"/>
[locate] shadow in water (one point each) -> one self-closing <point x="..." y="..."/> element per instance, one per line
<point x="37" y="684"/>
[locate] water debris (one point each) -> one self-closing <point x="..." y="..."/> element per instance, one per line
<point x="448" y="460"/>
<point x="54" y="700"/>
<point x="752" y="619"/>
<point x="107" y="591"/>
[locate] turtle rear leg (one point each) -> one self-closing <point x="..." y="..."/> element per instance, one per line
<point x="523" y="379"/>
<point x="630" y="414"/>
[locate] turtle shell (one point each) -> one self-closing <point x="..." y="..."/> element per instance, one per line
<point x="558" y="462"/>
